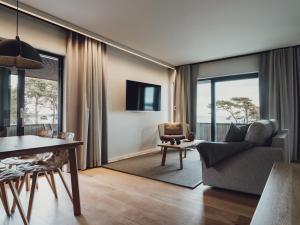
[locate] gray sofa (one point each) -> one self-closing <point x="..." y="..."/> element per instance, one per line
<point x="248" y="171"/>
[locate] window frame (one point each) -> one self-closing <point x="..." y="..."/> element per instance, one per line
<point x="213" y="81"/>
<point x="60" y="86"/>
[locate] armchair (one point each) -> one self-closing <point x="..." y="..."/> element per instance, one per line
<point x="177" y="131"/>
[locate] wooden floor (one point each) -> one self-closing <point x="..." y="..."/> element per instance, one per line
<point x="113" y="198"/>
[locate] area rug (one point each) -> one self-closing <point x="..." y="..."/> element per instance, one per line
<point x="148" y="166"/>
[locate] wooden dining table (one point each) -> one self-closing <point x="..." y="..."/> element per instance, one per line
<point x="29" y="144"/>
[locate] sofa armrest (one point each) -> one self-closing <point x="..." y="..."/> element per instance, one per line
<point x="245" y="172"/>
<point x="280" y="140"/>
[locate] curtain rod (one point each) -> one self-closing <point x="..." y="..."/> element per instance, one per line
<point x="68" y="26"/>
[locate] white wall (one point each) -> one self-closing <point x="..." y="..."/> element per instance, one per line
<point x="37" y="33"/>
<point x="234" y="66"/>
<point x="132" y="132"/>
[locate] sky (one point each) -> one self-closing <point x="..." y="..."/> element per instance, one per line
<point x="224" y="91"/>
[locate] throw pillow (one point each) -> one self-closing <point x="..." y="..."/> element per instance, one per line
<point x="173" y="129"/>
<point x="234" y="134"/>
<point x="244" y="129"/>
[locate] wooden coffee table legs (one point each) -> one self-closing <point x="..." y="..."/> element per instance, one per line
<point x="180" y="158"/>
<point x="163" y="161"/>
<point x="165" y="150"/>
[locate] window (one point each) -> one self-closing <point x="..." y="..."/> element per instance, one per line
<point x="33" y="98"/>
<point x="13" y="100"/>
<point x="42" y="94"/>
<point x="226" y="100"/>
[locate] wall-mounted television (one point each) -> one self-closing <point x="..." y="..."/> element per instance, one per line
<point x="142" y="96"/>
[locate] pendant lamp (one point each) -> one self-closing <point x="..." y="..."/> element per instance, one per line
<point x="19" y="54"/>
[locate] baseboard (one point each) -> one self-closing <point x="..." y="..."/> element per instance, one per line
<point x="147" y="151"/>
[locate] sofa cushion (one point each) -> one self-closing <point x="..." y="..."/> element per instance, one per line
<point x="275" y="126"/>
<point x="259" y="132"/>
<point x="173" y="129"/>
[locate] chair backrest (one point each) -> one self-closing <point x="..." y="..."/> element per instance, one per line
<point x="69" y="136"/>
<point x="45" y="133"/>
<point x="61" y="157"/>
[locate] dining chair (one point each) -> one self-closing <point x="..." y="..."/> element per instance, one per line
<point x="15" y="161"/>
<point x="8" y="176"/>
<point x="49" y="165"/>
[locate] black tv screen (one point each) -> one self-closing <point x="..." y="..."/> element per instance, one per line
<point x="142" y="96"/>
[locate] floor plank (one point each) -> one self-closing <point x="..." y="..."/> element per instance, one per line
<point x="113" y="198"/>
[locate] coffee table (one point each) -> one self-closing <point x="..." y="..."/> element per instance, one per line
<point x="182" y="147"/>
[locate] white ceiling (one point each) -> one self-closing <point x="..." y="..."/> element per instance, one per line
<point x="185" y="31"/>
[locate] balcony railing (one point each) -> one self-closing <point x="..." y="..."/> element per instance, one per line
<point x="204" y="131"/>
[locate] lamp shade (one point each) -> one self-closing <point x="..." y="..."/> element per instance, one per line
<point x="19" y="54"/>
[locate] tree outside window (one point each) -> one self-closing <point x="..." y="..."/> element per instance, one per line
<point x="41" y="101"/>
<point x="240" y="109"/>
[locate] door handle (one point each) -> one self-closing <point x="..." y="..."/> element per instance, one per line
<point x="22" y="116"/>
<point x="21" y="113"/>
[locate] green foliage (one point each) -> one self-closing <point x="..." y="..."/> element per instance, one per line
<point x="241" y="109"/>
<point x="41" y="93"/>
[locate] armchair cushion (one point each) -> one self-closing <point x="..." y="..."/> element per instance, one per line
<point x="173" y="129"/>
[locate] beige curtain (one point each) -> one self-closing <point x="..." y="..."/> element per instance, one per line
<point x="185" y="96"/>
<point x="84" y="96"/>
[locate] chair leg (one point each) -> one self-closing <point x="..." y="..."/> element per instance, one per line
<point x="37" y="184"/>
<point x="4" y="199"/>
<point x="17" y="183"/>
<point x="53" y="183"/>
<point x="64" y="183"/>
<point x="162" y="148"/>
<point x="32" y="192"/>
<point x="50" y="184"/>
<point x="17" y="200"/>
<point x="27" y="183"/>
<point x="23" y="180"/>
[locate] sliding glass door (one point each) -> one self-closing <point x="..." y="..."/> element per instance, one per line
<point x="31" y="99"/>
<point x="233" y="99"/>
